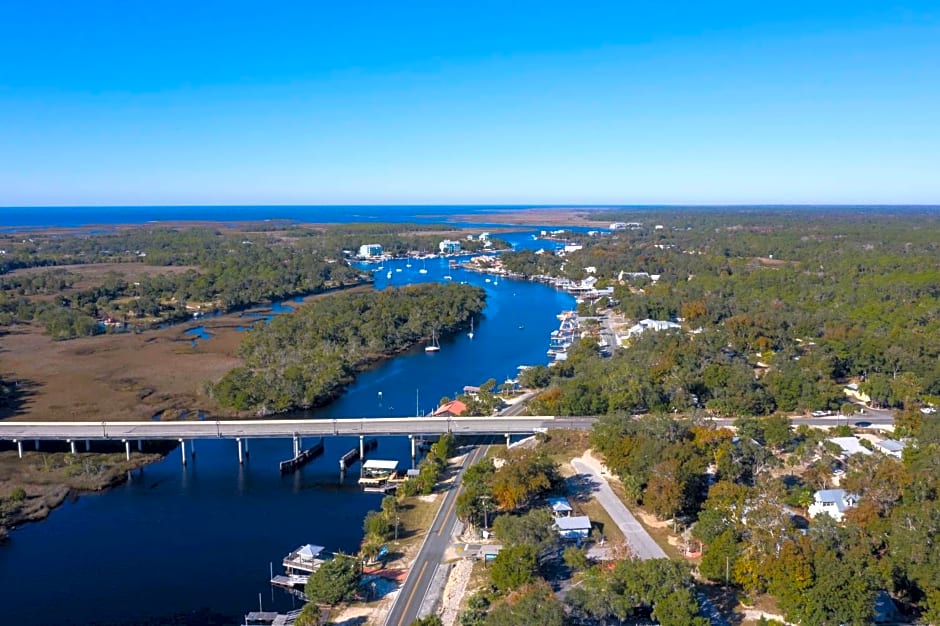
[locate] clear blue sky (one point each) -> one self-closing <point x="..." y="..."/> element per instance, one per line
<point x="203" y="102"/>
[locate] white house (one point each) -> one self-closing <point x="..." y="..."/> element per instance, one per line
<point x="370" y="250"/>
<point x="573" y="528"/>
<point x="832" y="502"/>
<point x="849" y="445"/>
<point x="648" y="324"/>
<point x="572" y="247"/>
<point x="890" y="447"/>
<point x="449" y="246"/>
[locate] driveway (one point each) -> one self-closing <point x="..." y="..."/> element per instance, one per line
<point x="639" y="540"/>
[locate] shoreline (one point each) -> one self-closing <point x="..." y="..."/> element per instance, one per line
<point x="48" y="479"/>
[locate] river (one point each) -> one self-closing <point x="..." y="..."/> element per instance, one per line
<point x="193" y="545"/>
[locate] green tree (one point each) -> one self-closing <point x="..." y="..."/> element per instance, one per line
<point x="514" y="567"/>
<point x="428" y="620"/>
<point x="334" y="581"/>
<point x="533" y="605"/>
<point x="310" y="615"/>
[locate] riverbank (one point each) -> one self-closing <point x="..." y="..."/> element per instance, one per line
<point x="31" y="487"/>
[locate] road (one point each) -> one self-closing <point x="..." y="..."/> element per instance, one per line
<point x="231" y="429"/>
<point x="640" y="542"/>
<point x="409" y="600"/>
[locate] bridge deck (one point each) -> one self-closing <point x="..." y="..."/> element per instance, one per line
<point x="231" y="429"/>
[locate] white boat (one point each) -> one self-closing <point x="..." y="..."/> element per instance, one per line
<point x="434" y="346"/>
<point x="470" y="334"/>
<point x="448" y="277"/>
<point x="389" y="275"/>
<point x="397" y="269"/>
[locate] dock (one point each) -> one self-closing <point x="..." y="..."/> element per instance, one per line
<point x="270" y="618"/>
<point x="302" y="458"/>
<point x="353" y="455"/>
<point x="290" y="581"/>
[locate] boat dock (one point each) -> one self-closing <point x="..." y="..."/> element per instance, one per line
<point x="290" y="581"/>
<point x="356" y="453"/>
<point x="270" y="618"/>
<point x="302" y="457"/>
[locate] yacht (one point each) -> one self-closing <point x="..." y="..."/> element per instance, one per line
<point x="470" y="334"/>
<point x="434" y="346"/>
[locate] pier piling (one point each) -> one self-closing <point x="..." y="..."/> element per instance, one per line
<point x="73" y="446"/>
<point x="19" y="448"/>
<point x="241" y="454"/>
<point x="183" y="450"/>
<point x="127" y="448"/>
<point x="297" y="445"/>
<point x="507" y="439"/>
<point x="140" y="446"/>
<point x="362" y="446"/>
<point x="413" y="448"/>
<point x="36" y="441"/>
<point x="88" y="445"/>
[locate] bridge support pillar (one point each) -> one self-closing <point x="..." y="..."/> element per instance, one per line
<point x="73" y="446"/>
<point x="183" y="450"/>
<point x="127" y="448"/>
<point x="413" y="446"/>
<point x="88" y="445"/>
<point x="362" y="448"/>
<point x="140" y="445"/>
<point x="297" y="444"/>
<point x="36" y="441"/>
<point x="192" y="448"/>
<point x="245" y="446"/>
<point x="19" y="448"/>
<point x="241" y="454"/>
<point x="507" y="439"/>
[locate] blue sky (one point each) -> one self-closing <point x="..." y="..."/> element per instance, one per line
<point x="122" y="102"/>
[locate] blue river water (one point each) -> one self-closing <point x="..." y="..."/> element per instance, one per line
<point x="194" y="545"/>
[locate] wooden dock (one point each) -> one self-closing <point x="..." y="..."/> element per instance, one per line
<point x="291" y="581"/>
<point x="304" y="457"/>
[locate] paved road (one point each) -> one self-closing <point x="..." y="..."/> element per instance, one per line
<point x="232" y="429"/>
<point x="639" y="540"/>
<point x="409" y="599"/>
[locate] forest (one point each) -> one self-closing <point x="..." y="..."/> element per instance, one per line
<point x="304" y="359"/>
<point x="219" y="270"/>
<point x="779" y="312"/>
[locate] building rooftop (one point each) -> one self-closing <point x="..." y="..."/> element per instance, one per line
<point x="378" y="464"/>
<point x="578" y="522"/>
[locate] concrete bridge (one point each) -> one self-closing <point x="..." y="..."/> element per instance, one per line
<point x="242" y="430"/>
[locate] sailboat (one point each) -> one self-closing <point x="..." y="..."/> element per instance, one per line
<point x="424" y="270"/>
<point x="470" y="334"/>
<point x="434" y="346"/>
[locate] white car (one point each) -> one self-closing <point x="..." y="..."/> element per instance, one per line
<point x="821" y="413"/>
<point x="928" y="410"/>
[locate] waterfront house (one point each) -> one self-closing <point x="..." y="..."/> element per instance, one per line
<point x="454" y="408"/>
<point x="575" y="528"/>
<point x="370" y="251"/>
<point x="449" y="246"/>
<point x="832" y="502"/>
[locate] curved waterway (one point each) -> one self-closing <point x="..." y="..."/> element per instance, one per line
<point x="193" y="545"/>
